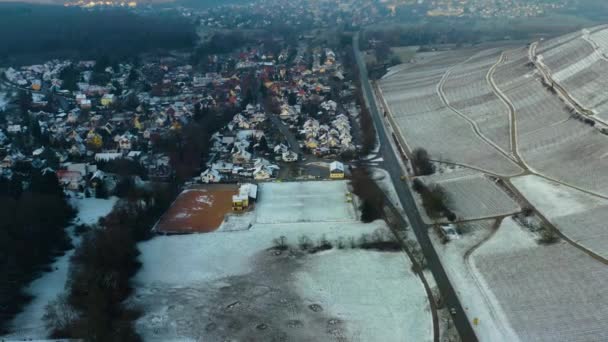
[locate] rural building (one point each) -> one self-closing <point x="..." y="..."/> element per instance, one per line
<point x="211" y="176"/>
<point x="336" y="170"/>
<point x="107" y="100"/>
<point x="289" y="156"/>
<point x="247" y="194"/>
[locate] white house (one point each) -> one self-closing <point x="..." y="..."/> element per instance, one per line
<point x="290" y="156"/>
<point x="261" y="173"/>
<point x="211" y="176"/>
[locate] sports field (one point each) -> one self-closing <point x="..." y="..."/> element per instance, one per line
<point x="199" y="209"/>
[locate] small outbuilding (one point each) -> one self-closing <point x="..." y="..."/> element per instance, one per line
<point x="336" y="170"/>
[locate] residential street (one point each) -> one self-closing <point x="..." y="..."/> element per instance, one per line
<point x="391" y="164"/>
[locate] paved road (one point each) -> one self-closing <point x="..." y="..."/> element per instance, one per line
<point x="407" y="201"/>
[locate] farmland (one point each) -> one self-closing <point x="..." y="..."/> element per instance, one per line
<point x="578" y="215"/>
<point x="579" y="65"/>
<point x="261" y="284"/>
<point x="476" y="197"/>
<point x="525" y="127"/>
<point x="547" y="293"/>
<point x="426" y="121"/>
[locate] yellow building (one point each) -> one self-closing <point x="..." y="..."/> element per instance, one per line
<point x="240" y="201"/>
<point x="336" y="170"/>
<point x="107" y="100"/>
<point x="36" y="85"/>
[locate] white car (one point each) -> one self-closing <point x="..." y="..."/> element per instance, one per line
<point x="450" y="231"/>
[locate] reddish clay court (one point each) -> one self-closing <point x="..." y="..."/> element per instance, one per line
<point x="198" y="209"/>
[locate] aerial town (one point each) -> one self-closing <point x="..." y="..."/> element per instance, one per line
<point x="86" y="115"/>
<point x="333" y="170"/>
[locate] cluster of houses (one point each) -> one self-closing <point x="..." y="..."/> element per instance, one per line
<point x="127" y="117"/>
<point x="33" y="76"/>
<point x="302" y="15"/>
<point x="241" y="149"/>
<point x="332" y="138"/>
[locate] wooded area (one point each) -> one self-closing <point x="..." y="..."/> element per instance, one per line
<point x="32" y="31"/>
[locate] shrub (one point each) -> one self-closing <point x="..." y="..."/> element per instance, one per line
<point x="548" y="235"/>
<point x="304" y="242"/>
<point x="280" y="243"/>
<point x="422" y="162"/>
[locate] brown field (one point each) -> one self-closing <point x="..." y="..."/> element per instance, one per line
<point x="199" y="209"/>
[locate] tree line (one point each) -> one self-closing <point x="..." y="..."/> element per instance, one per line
<point x="92" y="308"/>
<point x="53" y="31"/>
<point x="33" y="216"/>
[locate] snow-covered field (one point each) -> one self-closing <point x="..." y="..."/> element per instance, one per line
<point x="477" y="196"/>
<point x="28" y="325"/>
<point x="472" y="293"/>
<point x="580" y="216"/>
<point x="90" y="210"/>
<point x="304" y="202"/>
<point x="547" y="293"/>
<point x="579" y="65"/>
<point x="234" y="286"/>
<point x="522" y="291"/>
<point x="425" y="121"/>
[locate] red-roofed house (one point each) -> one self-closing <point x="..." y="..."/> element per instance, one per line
<point x="70" y="180"/>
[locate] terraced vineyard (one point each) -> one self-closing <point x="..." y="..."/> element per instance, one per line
<point x="426" y="121"/>
<point x="477" y="197"/>
<point x="580" y="66"/>
<point x="537" y="112"/>
<point x="548" y="293"/>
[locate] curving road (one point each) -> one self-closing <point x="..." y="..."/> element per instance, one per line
<point x="407" y="201"/>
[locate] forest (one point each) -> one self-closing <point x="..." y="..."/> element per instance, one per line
<point x="32" y="32"/>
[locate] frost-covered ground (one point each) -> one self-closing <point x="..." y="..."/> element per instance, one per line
<point x="28" y="324"/>
<point x="90" y="210"/>
<point x="547" y="292"/>
<point x="476" y="197"/>
<point x="304" y="202"/>
<point x="473" y="295"/>
<point x="231" y="285"/>
<point x="522" y="291"/>
<point x="3" y="101"/>
<point x="580" y="216"/>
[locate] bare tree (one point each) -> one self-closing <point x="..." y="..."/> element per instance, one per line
<point x="59" y="315"/>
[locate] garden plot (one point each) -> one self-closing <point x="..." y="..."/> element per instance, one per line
<point x="472" y="294"/>
<point x="547" y="293"/>
<point x="238" y="286"/>
<point x="477" y="196"/>
<point x="579" y="216"/>
<point x="305" y="202"/>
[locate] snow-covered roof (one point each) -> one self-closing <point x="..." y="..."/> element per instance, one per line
<point x="336" y="166"/>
